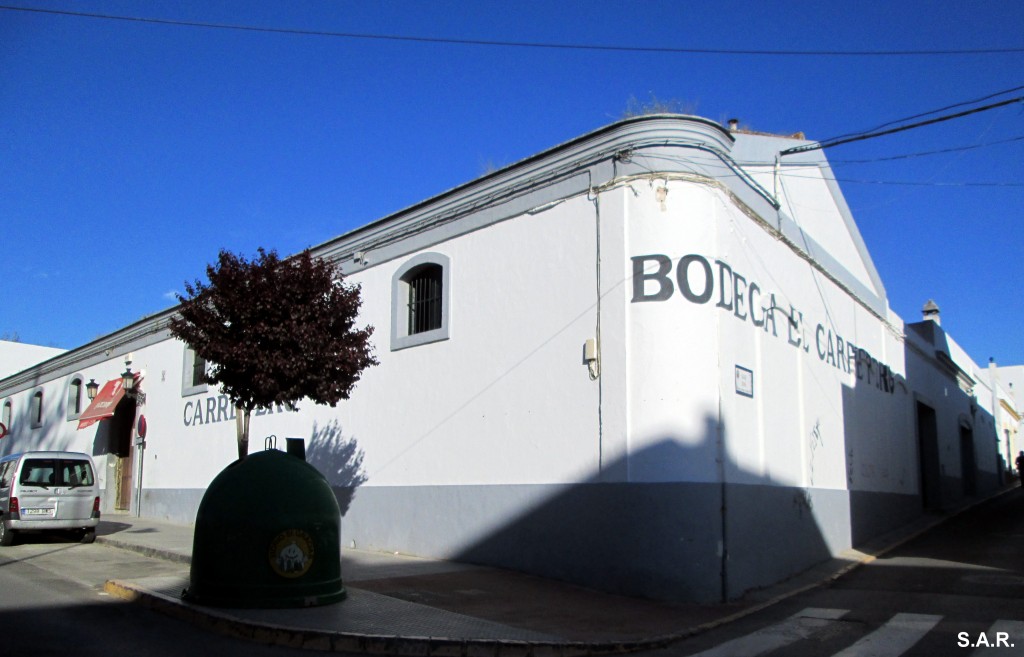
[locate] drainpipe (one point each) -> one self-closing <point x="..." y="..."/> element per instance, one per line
<point x="724" y="547"/>
<point x="594" y="366"/>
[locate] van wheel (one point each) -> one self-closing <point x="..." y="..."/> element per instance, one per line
<point x="88" y="536"/>
<point x="6" y="535"/>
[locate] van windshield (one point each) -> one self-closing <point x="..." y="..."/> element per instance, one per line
<point x="56" y="472"/>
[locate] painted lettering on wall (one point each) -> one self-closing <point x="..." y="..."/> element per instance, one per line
<point x="699" y="282"/>
<point x="216" y="408"/>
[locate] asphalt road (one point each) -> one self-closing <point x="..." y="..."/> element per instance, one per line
<point x="956" y="590"/>
<point x="52" y="603"/>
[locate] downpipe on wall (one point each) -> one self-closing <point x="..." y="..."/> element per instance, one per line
<point x="723" y="545"/>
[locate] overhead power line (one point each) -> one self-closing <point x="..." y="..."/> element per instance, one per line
<point x="525" y="44"/>
<point x="802" y="172"/>
<point x="829" y="143"/>
<point x="934" y="111"/>
<point x="904" y="156"/>
<point x="941" y="151"/>
<point x="907" y="183"/>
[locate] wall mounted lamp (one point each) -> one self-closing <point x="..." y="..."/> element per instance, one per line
<point x="128" y="382"/>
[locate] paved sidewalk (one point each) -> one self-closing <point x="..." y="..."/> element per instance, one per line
<point x="401" y="605"/>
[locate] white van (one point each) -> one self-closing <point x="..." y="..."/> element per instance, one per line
<point x="44" y="491"/>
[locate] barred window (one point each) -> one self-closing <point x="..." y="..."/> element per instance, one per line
<point x="425" y="298"/>
<point x="421" y="301"/>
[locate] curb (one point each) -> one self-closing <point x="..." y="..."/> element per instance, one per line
<point x="375" y="644"/>
<point x="424" y="646"/>
<point x="156" y="553"/>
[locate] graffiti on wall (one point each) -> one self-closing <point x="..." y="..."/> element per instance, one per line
<point x="816" y="442"/>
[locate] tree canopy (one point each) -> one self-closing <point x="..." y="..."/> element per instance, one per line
<point x="274" y="331"/>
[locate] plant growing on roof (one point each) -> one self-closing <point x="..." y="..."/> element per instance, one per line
<point x="275" y="332"/>
<point x="657" y="105"/>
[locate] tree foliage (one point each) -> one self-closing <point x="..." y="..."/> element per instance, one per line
<point x="275" y="331"/>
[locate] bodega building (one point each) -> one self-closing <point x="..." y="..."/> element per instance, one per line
<point x="655" y="360"/>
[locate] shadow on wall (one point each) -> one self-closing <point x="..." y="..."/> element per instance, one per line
<point x="50" y="435"/>
<point x="958" y="446"/>
<point x="879" y="481"/>
<point x="947" y="442"/>
<point x="645" y="536"/>
<point x="339" y="459"/>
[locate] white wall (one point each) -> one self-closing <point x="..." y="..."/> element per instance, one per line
<point x="505" y="399"/>
<point x="16" y="356"/>
<point x="672" y="345"/>
<point x="812" y="420"/>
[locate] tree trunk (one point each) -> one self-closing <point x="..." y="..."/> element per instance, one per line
<point x="242" y="430"/>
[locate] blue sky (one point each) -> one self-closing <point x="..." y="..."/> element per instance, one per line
<point x="131" y="152"/>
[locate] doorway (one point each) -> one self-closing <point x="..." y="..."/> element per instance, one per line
<point x="930" y="475"/>
<point x="968" y="467"/>
<point x="122" y="425"/>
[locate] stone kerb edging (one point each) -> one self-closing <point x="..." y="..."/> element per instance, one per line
<point x="398" y="646"/>
<point x="146" y="551"/>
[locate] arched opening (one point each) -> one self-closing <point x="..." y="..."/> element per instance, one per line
<point x="121" y="425"/>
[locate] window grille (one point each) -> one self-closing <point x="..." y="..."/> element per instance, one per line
<point x="425" y="299"/>
<point x="421" y="294"/>
<point x="198" y="371"/>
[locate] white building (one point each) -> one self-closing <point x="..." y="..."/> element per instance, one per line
<point x="661" y="365"/>
<point x="1010" y="382"/>
<point x="16" y="356"/>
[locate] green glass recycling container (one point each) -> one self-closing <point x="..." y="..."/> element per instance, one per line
<point x="267" y="534"/>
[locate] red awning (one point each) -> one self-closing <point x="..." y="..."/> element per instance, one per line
<point x="103" y="405"/>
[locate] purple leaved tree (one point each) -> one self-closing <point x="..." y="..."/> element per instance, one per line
<point x="275" y="332"/>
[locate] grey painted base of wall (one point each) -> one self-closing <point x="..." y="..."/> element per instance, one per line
<point x="662" y="541"/>
<point x="667" y="541"/>
<point x="873" y="514"/>
<point x="641" y="539"/>
<point x="174" y="504"/>
<point x="775" y="532"/>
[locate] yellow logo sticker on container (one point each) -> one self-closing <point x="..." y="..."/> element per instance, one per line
<point x="291" y="553"/>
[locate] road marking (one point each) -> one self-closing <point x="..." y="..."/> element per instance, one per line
<point x="894" y="638"/>
<point x="798" y="626"/>
<point x="1002" y="634"/>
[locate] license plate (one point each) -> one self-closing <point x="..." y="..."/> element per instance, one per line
<point x="46" y="513"/>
